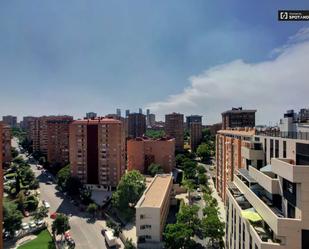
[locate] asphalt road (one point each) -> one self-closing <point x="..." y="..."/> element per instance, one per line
<point x="86" y="234"/>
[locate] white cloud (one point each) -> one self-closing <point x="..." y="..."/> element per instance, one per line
<point x="271" y="86"/>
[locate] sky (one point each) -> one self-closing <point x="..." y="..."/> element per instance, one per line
<point x="194" y="57"/>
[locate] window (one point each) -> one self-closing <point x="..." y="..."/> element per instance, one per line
<point x="304" y="239"/>
<point x="291" y="211"/>
<point x="271" y="151"/>
<point x="302" y="154"/>
<point x="284" y="149"/>
<point x="276" y="148"/>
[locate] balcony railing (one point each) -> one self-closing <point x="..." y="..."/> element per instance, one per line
<point x="292" y="135"/>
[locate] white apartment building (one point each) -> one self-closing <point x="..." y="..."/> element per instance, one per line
<point x="268" y="207"/>
<point x="152" y="210"/>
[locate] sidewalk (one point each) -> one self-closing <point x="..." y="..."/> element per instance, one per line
<point x="222" y="212"/>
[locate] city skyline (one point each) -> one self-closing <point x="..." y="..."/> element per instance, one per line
<point x="182" y="59"/>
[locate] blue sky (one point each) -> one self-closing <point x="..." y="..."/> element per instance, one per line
<point x="69" y="57"/>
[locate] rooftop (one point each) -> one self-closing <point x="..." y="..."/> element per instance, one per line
<point x="97" y="121"/>
<point x="239" y="110"/>
<point x="155" y="192"/>
<point x="145" y="138"/>
<point x="238" y="132"/>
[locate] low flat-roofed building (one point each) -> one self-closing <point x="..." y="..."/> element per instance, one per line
<point x="152" y="210"/>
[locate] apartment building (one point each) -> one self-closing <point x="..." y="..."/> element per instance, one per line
<point x="174" y="127"/>
<point x="97" y="153"/>
<point x="124" y="123"/>
<point x="10" y="120"/>
<point x="229" y="156"/>
<point x="293" y="124"/>
<point x="58" y="140"/>
<point x="152" y="210"/>
<point x="1" y="185"/>
<point x="268" y="207"/>
<point x="237" y="117"/>
<point x="6" y="136"/>
<point x="136" y="124"/>
<point x="195" y="135"/>
<point x="25" y="124"/>
<point x="141" y="152"/>
<point x="193" y="119"/>
<point x="49" y="135"/>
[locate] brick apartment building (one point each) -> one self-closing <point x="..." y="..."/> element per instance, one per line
<point x="50" y="135"/>
<point x="141" y="152"/>
<point x="237" y="117"/>
<point x="174" y="127"/>
<point x="97" y="154"/>
<point x="136" y="125"/>
<point x="6" y="135"/>
<point x="10" y="120"/>
<point x="1" y="185"/>
<point x="195" y="135"/>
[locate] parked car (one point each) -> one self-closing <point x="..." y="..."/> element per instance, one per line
<point x="24" y="226"/>
<point x="49" y="183"/>
<point x="17" y="233"/>
<point x="46" y="204"/>
<point x="39" y="222"/>
<point x="53" y="215"/>
<point x="32" y="224"/>
<point x="198" y="190"/>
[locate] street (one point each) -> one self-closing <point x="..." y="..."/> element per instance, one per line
<point x="87" y="235"/>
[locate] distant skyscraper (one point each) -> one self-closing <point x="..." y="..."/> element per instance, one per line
<point x="147" y="112"/>
<point x="91" y="115"/>
<point x="10" y="120"/>
<point x="136" y="125"/>
<point x="118" y="111"/>
<point x="97" y="152"/>
<point x="174" y="128"/>
<point x="237" y="118"/>
<point x="127" y="113"/>
<point x="195" y="135"/>
<point x="193" y="118"/>
<point x="140" y="110"/>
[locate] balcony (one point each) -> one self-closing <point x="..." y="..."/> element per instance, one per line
<point x="266" y="179"/>
<point x="287" y="169"/>
<point x="265" y="207"/>
<point x="252" y="150"/>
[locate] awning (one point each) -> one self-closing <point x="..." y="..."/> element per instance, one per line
<point x="251" y="216"/>
<point x="267" y="168"/>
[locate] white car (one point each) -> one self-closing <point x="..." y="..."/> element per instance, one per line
<point x="17" y="233"/>
<point x="46" y="204"/>
<point x="24" y="226"/>
<point x="39" y="222"/>
<point x="32" y="224"/>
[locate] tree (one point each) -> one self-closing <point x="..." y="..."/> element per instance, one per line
<point x="204" y="151"/>
<point x="31" y="203"/>
<point x="85" y="195"/>
<point x="212" y="228"/>
<point x="41" y="213"/>
<point x="92" y="209"/>
<point x="177" y="236"/>
<point x="12" y="217"/>
<point x="202" y="179"/>
<point x="189" y="185"/>
<point x="129" y="190"/>
<point x="21" y="199"/>
<point x="14" y="152"/>
<point x="188" y="215"/>
<point x="62" y="177"/>
<point x="154" y="169"/>
<point x="128" y="244"/>
<point x="200" y="169"/>
<point x="60" y="225"/>
<point x="189" y="168"/>
<point x="73" y="186"/>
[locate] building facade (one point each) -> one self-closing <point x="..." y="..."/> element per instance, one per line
<point x="97" y="153"/>
<point x="237" y="118"/>
<point x="136" y="125"/>
<point x="1" y="185"/>
<point x="174" y="127"/>
<point x="49" y="135"/>
<point x="229" y="156"/>
<point x="141" y="152"/>
<point x="195" y="135"/>
<point x="10" y="120"/>
<point x="26" y="123"/>
<point x="193" y="119"/>
<point x="91" y="115"/>
<point x="293" y="123"/>
<point x="267" y="207"/>
<point x="152" y="210"/>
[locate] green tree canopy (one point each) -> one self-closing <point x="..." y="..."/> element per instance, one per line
<point x="92" y="208"/>
<point x="129" y="190"/>
<point x="12" y="217"/>
<point x="188" y="215"/>
<point x="189" y="168"/>
<point x="60" y="224"/>
<point x="128" y="244"/>
<point x="204" y="151"/>
<point x="154" y="169"/>
<point x="177" y="236"/>
<point x="41" y="213"/>
<point x="212" y="228"/>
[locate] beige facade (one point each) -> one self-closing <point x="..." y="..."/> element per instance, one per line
<point x="152" y="210"/>
<point x="97" y="153"/>
<point x="277" y="194"/>
<point x="141" y="152"/>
